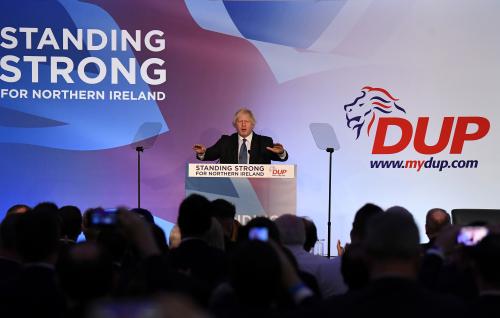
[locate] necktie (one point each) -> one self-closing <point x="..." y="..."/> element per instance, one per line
<point x="243" y="157"/>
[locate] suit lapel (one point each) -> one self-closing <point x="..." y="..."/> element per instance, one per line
<point x="234" y="146"/>
<point x="254" y="149"/>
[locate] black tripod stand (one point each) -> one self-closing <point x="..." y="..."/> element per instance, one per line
<point x="330" y="151"/>
<point x="144" y="139"/>
<point x="326" y="139"/>
<point x="139" y="150"/>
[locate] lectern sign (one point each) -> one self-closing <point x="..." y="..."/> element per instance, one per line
<point x="241" y="171"/>
<point x="256" y="190"/>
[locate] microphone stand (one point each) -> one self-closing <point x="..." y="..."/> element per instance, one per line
<point x="139" y="150"/>
<point x="325" y="139"/>
<point x="330" y="151"/>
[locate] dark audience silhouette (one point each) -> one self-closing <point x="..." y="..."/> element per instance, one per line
<point x="225" y="271"/>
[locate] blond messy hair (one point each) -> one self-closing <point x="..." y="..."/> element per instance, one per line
<point x="244" y="111"/>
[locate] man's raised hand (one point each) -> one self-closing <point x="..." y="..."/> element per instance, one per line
<point x="277" y="149"/>
<point x="199" y="149"/>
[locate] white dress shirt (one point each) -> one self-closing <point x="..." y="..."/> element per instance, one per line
<point x="248" y="143"/>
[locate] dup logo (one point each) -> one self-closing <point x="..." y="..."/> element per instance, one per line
<point x="277" y="171"/>
<point x="378" y="110"/>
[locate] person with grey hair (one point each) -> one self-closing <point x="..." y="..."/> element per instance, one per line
<point x="244" y="146"/>
<point x="326" y="271"/>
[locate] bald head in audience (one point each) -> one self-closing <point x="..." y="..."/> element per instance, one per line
<point x="436" y="220"/>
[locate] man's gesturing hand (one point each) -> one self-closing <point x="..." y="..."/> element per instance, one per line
<point x="199" y="149"/>
<point x="277" y="149"/>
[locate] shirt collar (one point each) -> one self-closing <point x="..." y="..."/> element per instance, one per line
<point x="248" y="138"/>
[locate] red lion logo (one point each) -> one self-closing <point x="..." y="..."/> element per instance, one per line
<point x="372" y="101"/>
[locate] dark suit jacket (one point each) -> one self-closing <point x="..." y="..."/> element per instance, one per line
<point x="35" y="293"/>
<point x="390" y="297"/>
<point x="485" y="306"/>
<point x="226" y="150"/>
<point x="204" y="263"/>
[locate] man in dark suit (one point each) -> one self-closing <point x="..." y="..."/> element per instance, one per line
<point x="36" y="292"/>
<point x="206" y="265"/>
<point x="486" y="262"/>
<point x="244" y="146"/>
<point x="391" y="244"/>
<point x="435" y="221"/>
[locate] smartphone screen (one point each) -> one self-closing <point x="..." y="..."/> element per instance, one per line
<point x="104" y="217"/>
<point x="471" y="235"/>
<point x="258" y="233"/>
